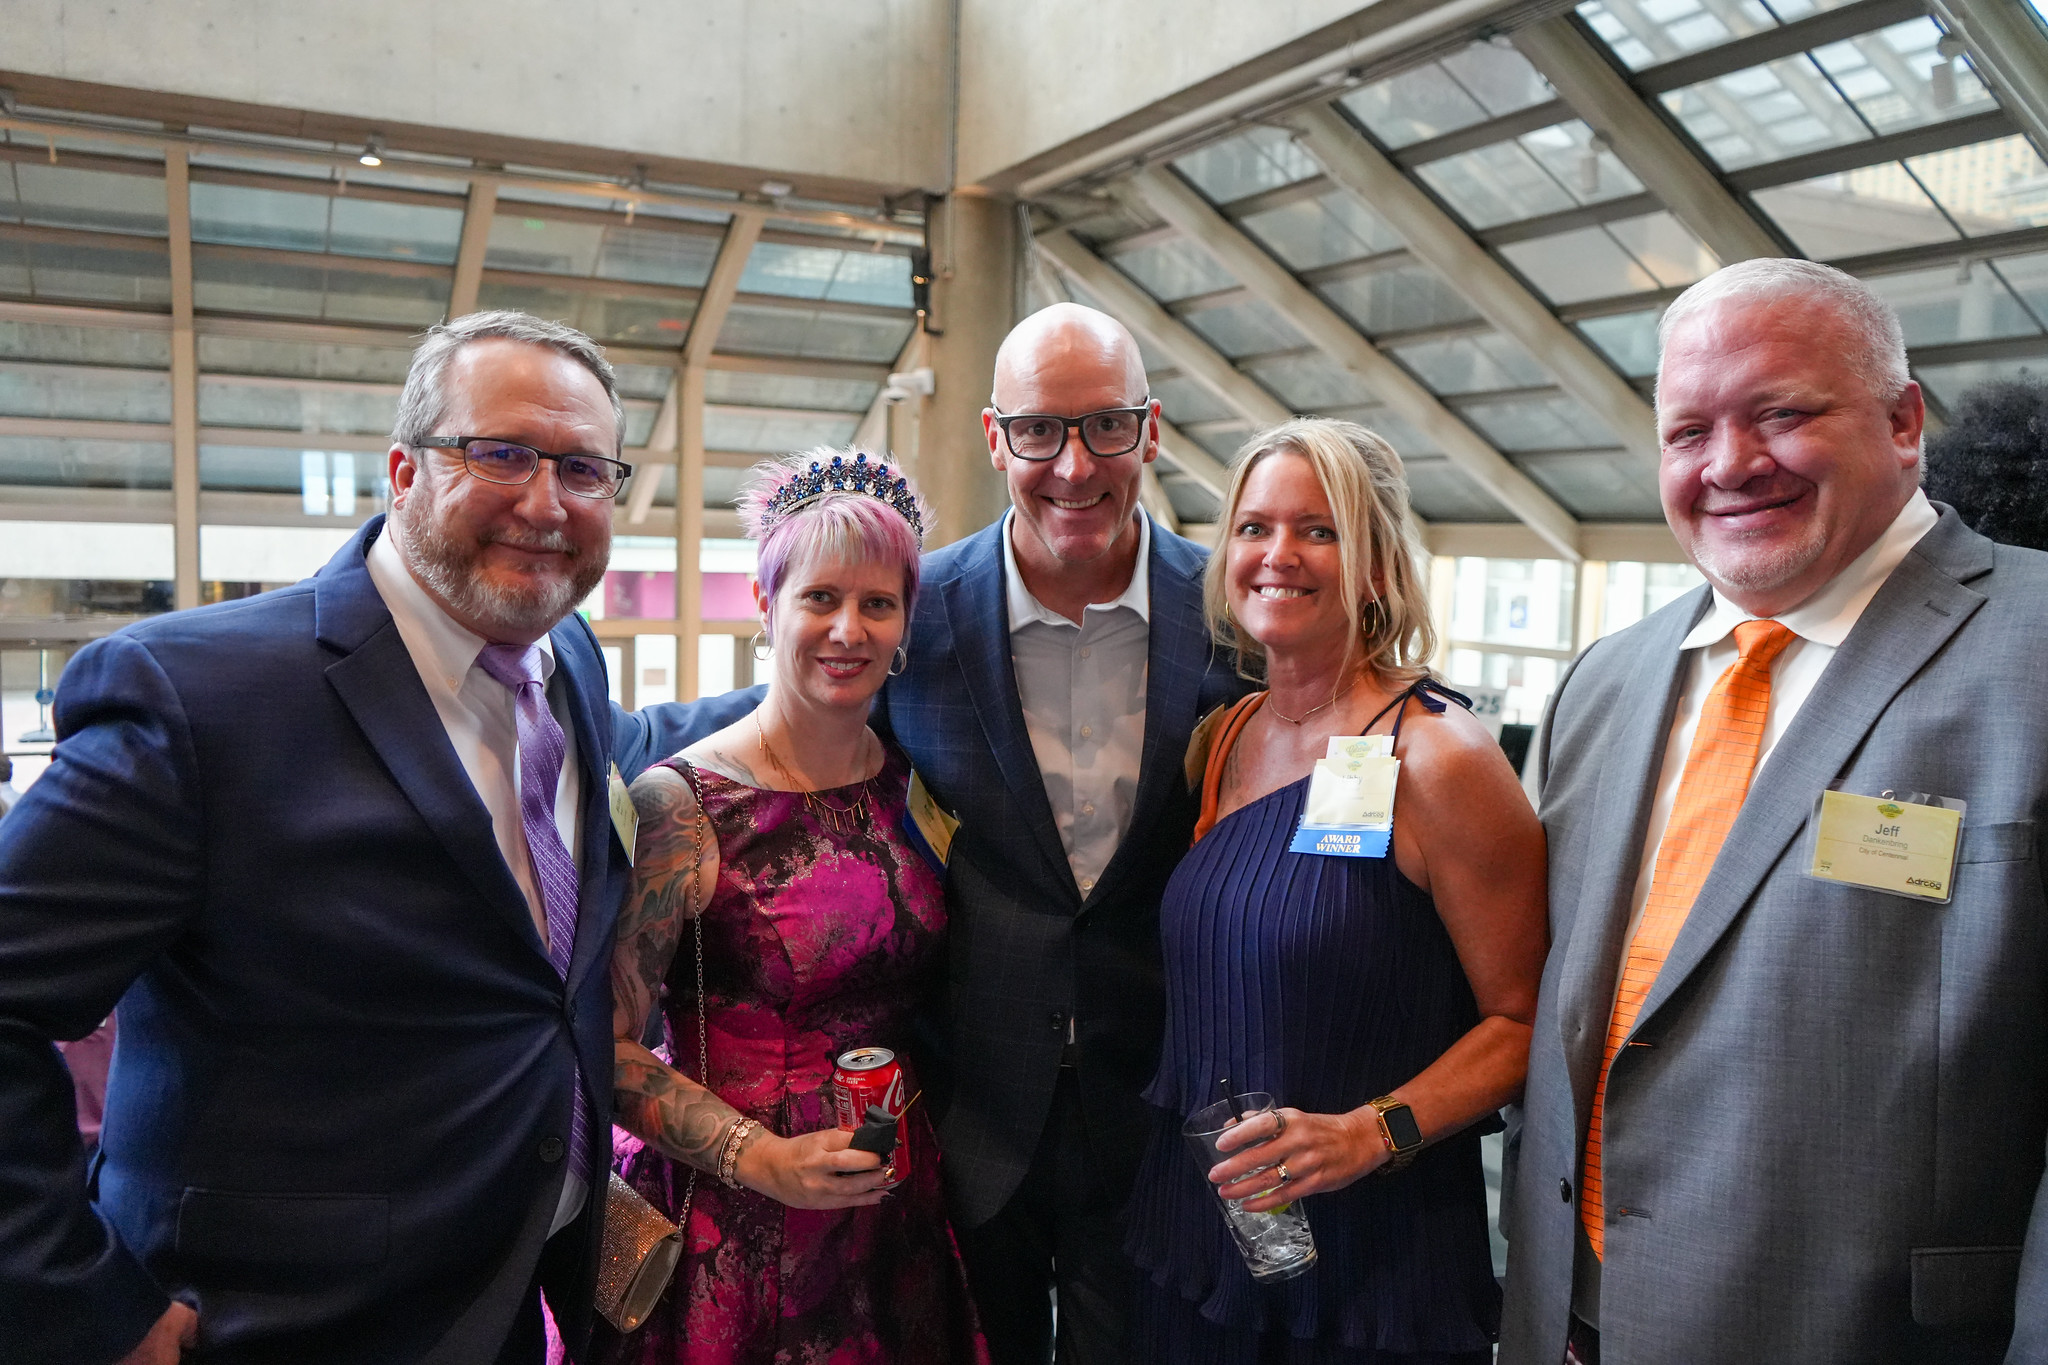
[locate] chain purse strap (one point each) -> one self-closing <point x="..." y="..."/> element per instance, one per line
<point x="689" y="772"/>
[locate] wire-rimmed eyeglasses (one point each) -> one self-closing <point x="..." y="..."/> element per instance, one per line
<point x="496" y="461"/>
<point x="1041" y="435"/>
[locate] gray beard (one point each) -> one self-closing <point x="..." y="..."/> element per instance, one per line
<point x="1753" y="571"/>
<point x="447" y="566"/>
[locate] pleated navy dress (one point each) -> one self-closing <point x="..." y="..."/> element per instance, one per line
<point x="1327" y="982"/>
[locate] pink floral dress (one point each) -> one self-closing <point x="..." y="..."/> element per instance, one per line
<point x="817" y="939"/>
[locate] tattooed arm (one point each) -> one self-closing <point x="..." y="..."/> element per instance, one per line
<point x="675" y="866"/>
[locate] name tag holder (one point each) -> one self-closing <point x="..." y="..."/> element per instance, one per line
<point x="1900" y="843"/>
<point x="1349" y="811"/>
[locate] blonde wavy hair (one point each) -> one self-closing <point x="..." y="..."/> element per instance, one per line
<point x="1385" y="598"/>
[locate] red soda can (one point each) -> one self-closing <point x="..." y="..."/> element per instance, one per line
<point x="865" y="1076"/>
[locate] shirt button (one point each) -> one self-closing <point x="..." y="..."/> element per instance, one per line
<point x="1087" y="731"/>
<point x="1564" y="1190"/>
<point x="1088" y="809"/>
<point x="1084" y="651"/>
<point x="1087" y="883"/>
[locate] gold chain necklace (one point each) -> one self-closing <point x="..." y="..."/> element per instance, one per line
<point x="1323" y="706"/>
<point x="840" y="819"/>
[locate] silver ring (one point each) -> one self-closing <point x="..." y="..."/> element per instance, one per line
<point x="1285" y="1175"/>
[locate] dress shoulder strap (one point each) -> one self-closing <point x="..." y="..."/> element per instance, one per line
<point x="1223" y="739"/>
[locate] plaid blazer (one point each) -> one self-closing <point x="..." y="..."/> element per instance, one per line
<point x="1027" y="952"/>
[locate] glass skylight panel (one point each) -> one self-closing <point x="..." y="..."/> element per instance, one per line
<point x="2027" y="276"/>
<point x="1173" y="269"/>
<point x="1872" y="208"/>
<point x="789" y="390"/>
<point x="84" y="394"/>
<point x="1310" y="382"/>
<point x="226" y="402"/>
<point x="302" y="359"/>
<point x="1483" y="81"/>
<point x="61" y="272"/>
<point x="1183" y="401"/>
<point x="1646" y="32"/>
<point x="636" y="318"/>
<point x="1248" y="328"/>
<point x="1987" y="187"/>
<point x="85" y="345"/>
<point x="1553" y="423"/>
<point x="70" y="462"/>
<point x="1629" y="256"/>
<point x="1766" y="113"/>
<point x="15" y="276"/>
<point x="1545" y="171"/>
<point x="251" y="469"/>
<point x="1438" y="492"/>
<point x="67" y="196"/>
<point x="1950" y="383"/>
<point x="640" y="419"/>
<point x="803" y="272"/>
<point x="1472" y="364"/>
<point x="1257" y="159"/>
<point x="239" y="215"/>
<point x="546" y="246"/>
<point x="1406" y="439"/>
<point x="1323" y="231"/>
<point x="386" y="300"/>
<point x="1599" y="485"/>
<point x="1949" y="304"/>
<point x="1397" y="300"/>
<point x="1889" y="76"/>
<point x="771" y="435"/>
<point x="758" y="329"/>
<point x="652" y="256"/>
<point x="1627" y="339"/>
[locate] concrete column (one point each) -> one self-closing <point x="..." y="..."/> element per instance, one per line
<point x="974" y="305"/>
<point x="184" y="385"/>
<point x="689" y="529"/>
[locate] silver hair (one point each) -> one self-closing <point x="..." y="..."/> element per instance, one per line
<point x="425" y="400"/>
<point x="1875" y="347"/>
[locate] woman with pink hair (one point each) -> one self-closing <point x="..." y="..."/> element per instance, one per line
<point x="782" y="915"/>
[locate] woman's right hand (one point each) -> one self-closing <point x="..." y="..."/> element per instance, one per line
<point x="815" y="1171"/>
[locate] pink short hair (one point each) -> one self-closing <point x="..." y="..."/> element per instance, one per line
<point x="849" y="527"/>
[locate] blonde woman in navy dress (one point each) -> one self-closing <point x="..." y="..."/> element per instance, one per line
<point x="1337" y="982"/>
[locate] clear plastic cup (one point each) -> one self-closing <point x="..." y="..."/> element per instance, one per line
<point x="1276" y="1245"/>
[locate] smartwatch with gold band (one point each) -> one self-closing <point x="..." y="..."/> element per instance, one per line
<point x="1398" y="1127"/>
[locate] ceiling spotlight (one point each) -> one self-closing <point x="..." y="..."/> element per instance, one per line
<point x="373" y="151"/>
<point x="777" y="189"/>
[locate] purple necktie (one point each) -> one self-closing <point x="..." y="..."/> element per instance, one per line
<point x="541" y="749"/>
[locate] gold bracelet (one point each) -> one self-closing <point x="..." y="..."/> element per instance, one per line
<point x="729" y="1156"/>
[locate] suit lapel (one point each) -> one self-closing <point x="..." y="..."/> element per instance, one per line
<point x="978" y="617"/>
<point x="581" y="670"/>
<point x="1632" y="755"/>
<point x="1177" y="652"/>
<point x="378" y="682"/>
<point x="1919" y="608"/>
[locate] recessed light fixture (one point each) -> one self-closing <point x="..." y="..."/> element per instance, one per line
<point x="373" y="151"/>
<point x="777" y="189"/>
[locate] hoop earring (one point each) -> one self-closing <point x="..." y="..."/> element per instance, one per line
<point x="763" y="646"/>
<point x="899" y="662"/>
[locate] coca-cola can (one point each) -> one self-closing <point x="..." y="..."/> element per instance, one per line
<point x="871" y="1075"/>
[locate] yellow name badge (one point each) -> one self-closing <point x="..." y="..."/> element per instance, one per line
<point x="625" y="819"/>
<point x="1889" y="844"/>
<point x="932" y="827"/>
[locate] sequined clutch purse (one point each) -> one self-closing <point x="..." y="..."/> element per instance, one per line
<point x="638" y="1258"/>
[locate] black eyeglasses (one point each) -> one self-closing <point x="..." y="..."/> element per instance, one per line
<point x="1041" y="435"/>
<point x="494" y="461"/>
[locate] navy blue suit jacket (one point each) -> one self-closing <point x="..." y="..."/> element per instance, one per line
<point x="342" y="1086"/>
<point x="1027" y="951"/>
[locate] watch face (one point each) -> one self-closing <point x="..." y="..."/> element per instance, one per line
<point x="1402" y="1127"/>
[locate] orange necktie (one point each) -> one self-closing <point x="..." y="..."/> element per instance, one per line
<point x="1710" y="795"/>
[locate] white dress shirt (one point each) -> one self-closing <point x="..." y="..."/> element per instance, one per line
<point x="477" y="711"/>
<point x="1083" y="694"/>
<point x="1819" y="625"/>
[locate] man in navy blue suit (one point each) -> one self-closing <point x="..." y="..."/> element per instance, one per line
<point x="1057" y="666"/>
<point x="344" y="854"/>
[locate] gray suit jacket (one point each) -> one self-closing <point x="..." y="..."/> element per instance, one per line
<point x="1825" y="1140"/>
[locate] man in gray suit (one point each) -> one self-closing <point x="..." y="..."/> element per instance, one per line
<point x="1773" y="1115"/>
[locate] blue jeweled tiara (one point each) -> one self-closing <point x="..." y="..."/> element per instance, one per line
<point x="876" y="480"/>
